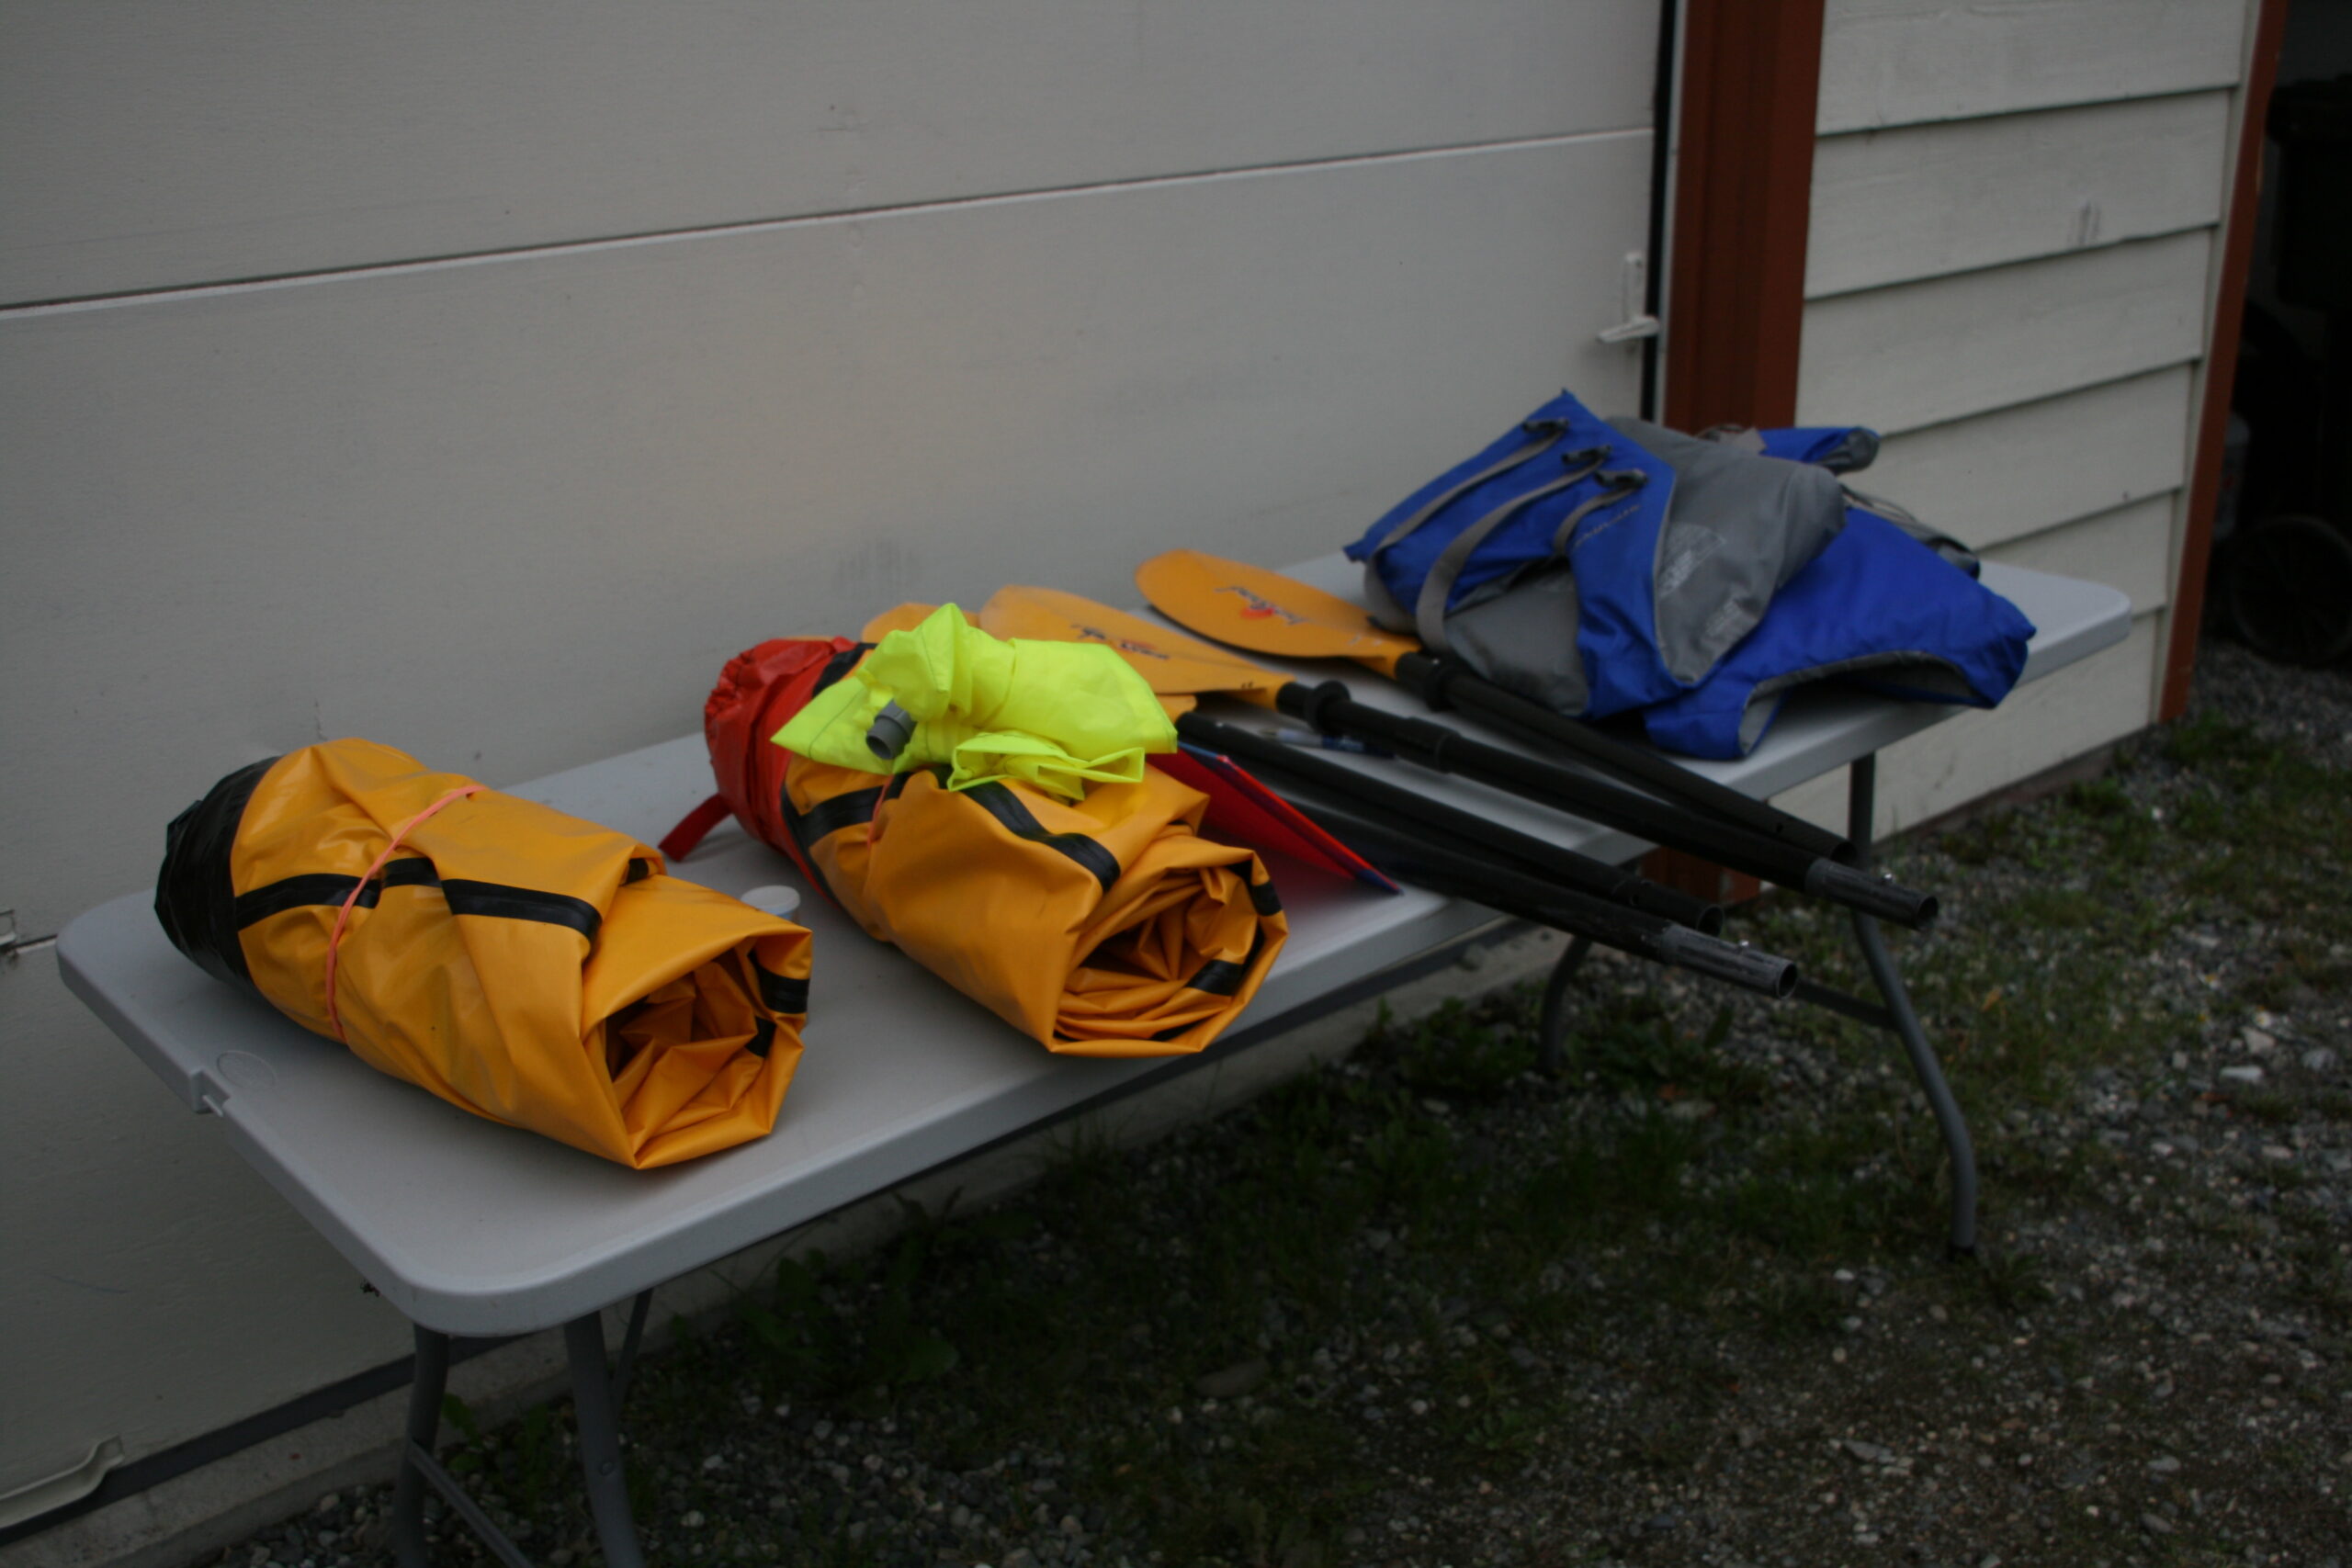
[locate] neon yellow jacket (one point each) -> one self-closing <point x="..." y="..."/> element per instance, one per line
<point x="1056" y="716"/>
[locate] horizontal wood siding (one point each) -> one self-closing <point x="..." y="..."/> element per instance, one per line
<point x="1897" y="206"/>
<point x="2011" y="259"/>
<point x="1903" y="62"/>
<point x="2021" y="469"/>
<point x="1918" y="354"/>
<point x="155" y="143"/>
<point x="2126" y="548"/>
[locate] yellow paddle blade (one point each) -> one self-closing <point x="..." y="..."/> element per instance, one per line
<point x="1265" y="611"/>
<point x="1170" y="662"/>
<point x="906" y="617"/>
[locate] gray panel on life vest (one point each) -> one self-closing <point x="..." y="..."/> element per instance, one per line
<point x="1524" y="639"/>
<point x="1856" y="450"/>
<point x="1739" y="527"/>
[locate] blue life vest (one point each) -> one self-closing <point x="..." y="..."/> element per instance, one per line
<point x="1876" y="607"/>
<point x="1600" y="566"/>
<point x="1595" y="566"/>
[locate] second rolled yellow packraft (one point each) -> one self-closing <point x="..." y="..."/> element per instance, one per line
<point x="1104" y="926"/>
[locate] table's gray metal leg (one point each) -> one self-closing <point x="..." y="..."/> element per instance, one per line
<point x="600" y="1441"/>
<point x="419" y="1468"/>
<point x="596" y="1397"/>
<point x="1553" y="1026"/>
<point x="626" y="1362"/>
<point x="1861" y="801"/>
<point x="425" y="1392"/>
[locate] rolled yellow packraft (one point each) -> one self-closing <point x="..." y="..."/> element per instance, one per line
<point x="1107" y="927"/>
<point x="531" y="967"/>
<point x="1099" y="927"/>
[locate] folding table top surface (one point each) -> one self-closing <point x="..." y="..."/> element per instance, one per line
<point x="473" y="1228"/>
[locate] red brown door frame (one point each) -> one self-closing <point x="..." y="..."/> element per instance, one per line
<point x="2221" y="362"/>
<point x="1743" y="202"/>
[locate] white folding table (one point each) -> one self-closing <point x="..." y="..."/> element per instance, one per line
<point x="474" y="1229"/>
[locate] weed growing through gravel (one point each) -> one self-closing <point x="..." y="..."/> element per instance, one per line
<point x="1683" y="1301"/>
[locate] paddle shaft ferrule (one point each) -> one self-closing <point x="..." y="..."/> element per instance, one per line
<point x="1329" y="707"/>
<point x="1440" y="824"/>
<point x="1880" y="895"/>
<point x="1497" y="886"/>
<point x="1443" y="682"/>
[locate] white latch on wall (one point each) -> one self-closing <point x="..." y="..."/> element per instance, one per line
<point x="12" y="944"/>
<point x="1632" y="302"/>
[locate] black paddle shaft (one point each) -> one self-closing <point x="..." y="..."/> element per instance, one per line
<point x="1443" y="827"/>
<point x="1498" y="886"/>
<point x="1330" y="709"/>
<point x="1448" y="683"/>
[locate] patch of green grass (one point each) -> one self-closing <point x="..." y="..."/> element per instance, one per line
<point x="1669" y="1446"/>
<point x="2026" y="1037"/>
<point x="2270" y="1107"/>
<point x="2306" y="969"/>
<point x="2106" y="807"/>
<point x="1467" y="1051"/>
<point x="1631" y="1044"/>
<point x="1795" y="1303"/>
<point x="1991" y="836"/>
<point x="2270" y="831"/>
<point x="799" y="1340"/>
<point x="1255" y="1533"/>
<point x="1409" y="1160"/>
<point x="460" y="1417"/>
<point x="539" y="1457"/>
<point x="2007" y="1280"/>
<point x="1815" y="1211"/>
<point x="2208" y="740"/>
<point x="2292" y="1178"/>
<point x="2323" y="1278"/>
<point x="2069" y="1172"/>
<point x="2060" y="908"/>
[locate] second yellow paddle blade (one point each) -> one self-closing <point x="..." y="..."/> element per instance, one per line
<point x="905" y="617"/>
<point x="1265" y="611"/>
<point x="1170" y="662"/>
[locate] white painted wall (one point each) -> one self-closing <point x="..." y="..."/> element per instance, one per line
<point x="160" y="144"/>
<point x="2010" y="272"/>
<point x="479" y="380"/>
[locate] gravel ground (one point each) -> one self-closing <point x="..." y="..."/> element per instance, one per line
<point x="1684" y="1303"/>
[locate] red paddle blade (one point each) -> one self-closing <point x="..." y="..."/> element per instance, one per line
<point x="1244" y="810"/>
